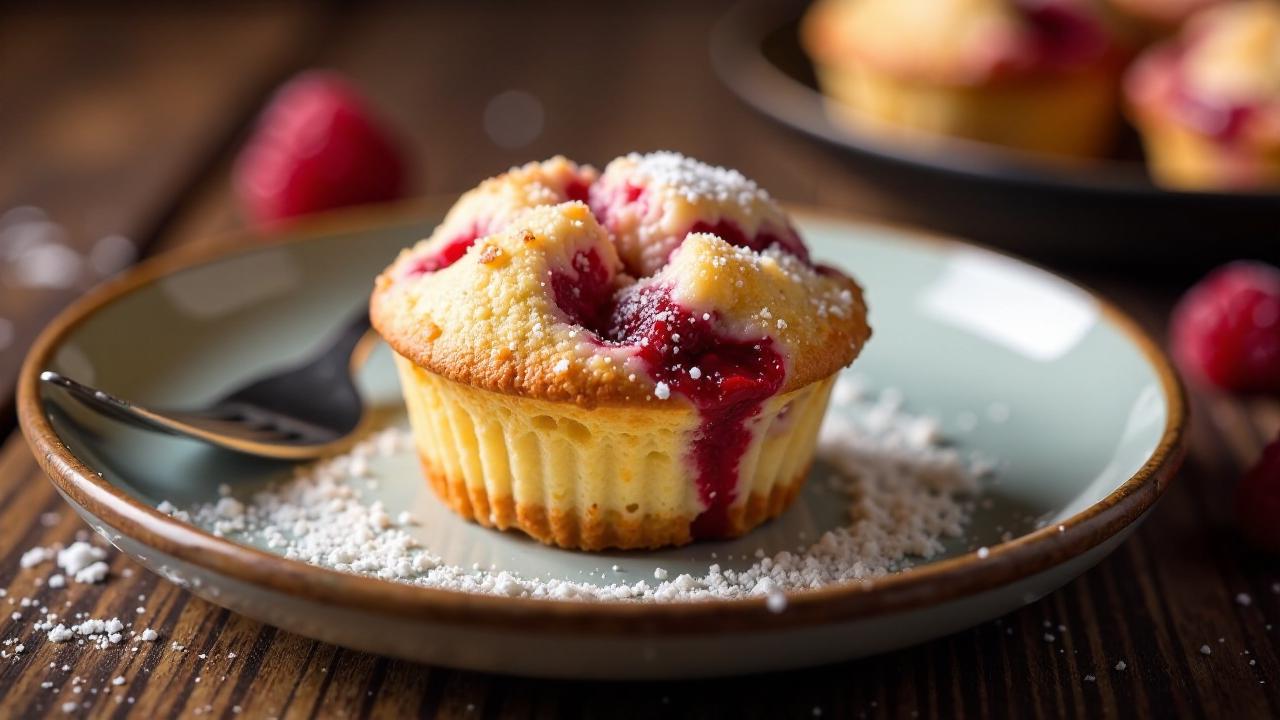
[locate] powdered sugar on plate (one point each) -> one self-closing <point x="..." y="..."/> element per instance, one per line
<point x="907" y="491"/>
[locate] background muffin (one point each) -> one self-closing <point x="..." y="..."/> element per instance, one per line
<point x="1039" y="76"/>
<point x="1207" y="103"/>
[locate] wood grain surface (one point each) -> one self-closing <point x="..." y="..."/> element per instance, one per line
<point x="125" y="122"/>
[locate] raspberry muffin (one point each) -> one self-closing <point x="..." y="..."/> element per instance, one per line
<point x="1207" y="103"/>
<point x="1035" y="75"/>
<point x="644" y="370"/>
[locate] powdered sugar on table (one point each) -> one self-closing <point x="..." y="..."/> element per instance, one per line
<point x="907" y="492"/>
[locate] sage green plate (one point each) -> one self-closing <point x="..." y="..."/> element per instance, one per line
<point x="1081" y="410"/>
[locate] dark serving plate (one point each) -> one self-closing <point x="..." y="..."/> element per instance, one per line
<point x="1104" y="211"/>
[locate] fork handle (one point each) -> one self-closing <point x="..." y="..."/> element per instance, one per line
<point x="344" y="341"/>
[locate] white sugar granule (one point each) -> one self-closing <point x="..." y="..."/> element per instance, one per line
<point x="35" y="556"/>
<point x="906" y="490"/>
<point x="172" y="510"/>
<point x="1244" y="599"/>
<point x="1206" y="650"/>
<point x="697" y="181"/>
<point x="98" y="632"/>
<point x="79" y="556"/>
<point x="94" y="573"/>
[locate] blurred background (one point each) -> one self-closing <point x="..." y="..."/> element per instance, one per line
<point x="120" y="124"/>
<point x="130" y="129"/>
<point x="120" y="128"/>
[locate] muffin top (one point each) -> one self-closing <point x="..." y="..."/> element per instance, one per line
<point x="1221" y="76"/>
<point x="959" y="42"/>
<point x="649" y="203"/>
<point x="703" y="292"/>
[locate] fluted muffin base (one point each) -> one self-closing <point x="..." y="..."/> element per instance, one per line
<point x="606" y="477"/>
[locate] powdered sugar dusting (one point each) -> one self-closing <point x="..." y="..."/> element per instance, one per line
<point x="697" y="180"/>
<point x="906" y="492"/>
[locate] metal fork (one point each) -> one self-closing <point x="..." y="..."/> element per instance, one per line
<point x="302" y="412"/>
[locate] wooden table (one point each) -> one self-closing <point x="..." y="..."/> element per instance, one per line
<point x="124" y="122"/>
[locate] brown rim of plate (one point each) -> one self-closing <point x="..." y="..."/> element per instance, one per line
<point x="928" y="584"/>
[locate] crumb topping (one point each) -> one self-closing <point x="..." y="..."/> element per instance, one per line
<point x="650" y="203"/>
<point x="547" y="306"/>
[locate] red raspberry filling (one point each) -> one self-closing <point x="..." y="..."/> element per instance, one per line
<point x="726" y="379"/>
<point x="442" y="258"/>
<point x="603" y="205"/>
<point x="578" y="190"/>
<point x="585" y="295"/>
<point x="729" y="231"/>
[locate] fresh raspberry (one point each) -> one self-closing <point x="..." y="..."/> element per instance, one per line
<point x="316" y="147"/>
<point x="1258" y="500"/>
<point x="1226" y="329"/>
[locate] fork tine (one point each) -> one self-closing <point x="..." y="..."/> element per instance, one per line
<point x="228" y="427"/>
<point x="272" y="431"/>
<point x="298" y="413"/>
<point x="103" y="402"/>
